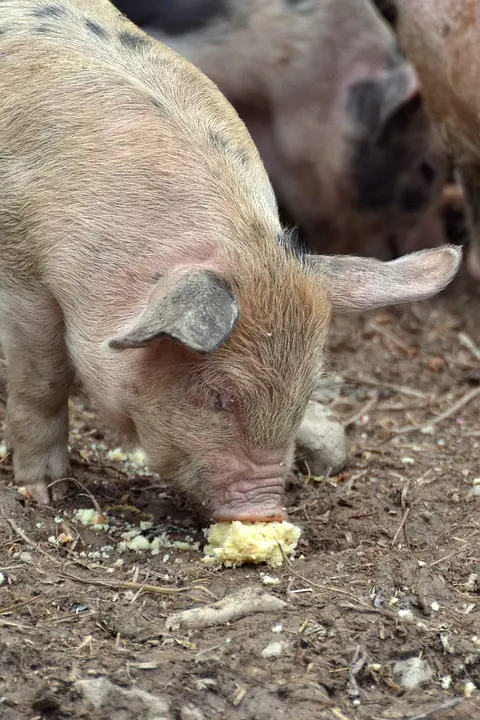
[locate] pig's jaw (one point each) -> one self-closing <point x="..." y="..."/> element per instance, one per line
<point x="252" y="500"/>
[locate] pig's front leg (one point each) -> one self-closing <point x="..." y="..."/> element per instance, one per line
<point x="321" y="442"/>
<point x="38" y="379"/>
<point x="469" y="175"/>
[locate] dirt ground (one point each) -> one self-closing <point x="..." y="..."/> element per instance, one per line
<point x="388" y="567"/>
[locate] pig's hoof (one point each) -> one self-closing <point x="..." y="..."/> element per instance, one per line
<point x="321" y="441"/>
<point x="44" y="493"/>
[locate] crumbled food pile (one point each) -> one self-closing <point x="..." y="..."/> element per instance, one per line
<point x="235" y="543"/>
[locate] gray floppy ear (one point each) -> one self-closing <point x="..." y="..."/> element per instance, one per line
<point x="357" y="284"/>
<point x="197" y="309"/>
<point x="373" y="102"/>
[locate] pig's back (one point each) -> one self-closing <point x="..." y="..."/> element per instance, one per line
<point x="117" y="156"/>
<point x="441" y="39"/>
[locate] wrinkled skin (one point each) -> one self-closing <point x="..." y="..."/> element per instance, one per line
<point x="142" y="250"/>
<point x="442" y="38"/>
<point x="333" y="107"/>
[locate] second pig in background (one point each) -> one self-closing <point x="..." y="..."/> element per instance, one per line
<point x="334" y="108"/>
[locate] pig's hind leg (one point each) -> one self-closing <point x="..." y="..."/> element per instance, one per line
<point x="38" y="381"/>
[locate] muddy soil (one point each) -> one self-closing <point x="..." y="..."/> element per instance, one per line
<point x="388" y="567"/>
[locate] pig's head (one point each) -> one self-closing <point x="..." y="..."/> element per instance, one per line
<point x="223" y="363"/>
<point x="397" y="166"/>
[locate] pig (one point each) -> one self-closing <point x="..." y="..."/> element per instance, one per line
<point x="143" y="251"/>
<point x="441" y="39"/>
<point x="333" y="107"/>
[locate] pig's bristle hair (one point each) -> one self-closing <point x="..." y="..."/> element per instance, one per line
<point x="274" y="357"/>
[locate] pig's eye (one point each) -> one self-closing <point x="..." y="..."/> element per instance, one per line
<point x="222" y="401"/>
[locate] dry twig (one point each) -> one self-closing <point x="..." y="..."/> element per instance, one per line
<point x="388" y="335"/>
<point x="406" y="512"/>
<point x="401" y="389"/>
<point x="129" y="585"/>
<point x="368" y="406"/>
<point x="82" y="487"/>
<point x="464" y="400"/>
<point x="232" y="607"/>
<point x="330" y="588"/>
<point x="26" y="539"/>
<point x="467" y="342"/>
<point x="433" y="713"/>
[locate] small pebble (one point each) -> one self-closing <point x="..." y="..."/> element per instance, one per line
<point x="412" y="672"/>
<point x="274" y="649"/>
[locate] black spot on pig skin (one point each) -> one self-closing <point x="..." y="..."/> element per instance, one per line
<point x="174" y="17"/>
<point x="220" y="142"/>
<point x="375" y="175"/>
<point x="427" y="172"/>
<point x="412" y="200"/>
<point x="43" y="30"/>
<point x="364" y="104"/>
<point x="131" y="40"/>
<point x="95" y="28"/>
<point x="49" y="11"/>
<point x="302" y="6"/>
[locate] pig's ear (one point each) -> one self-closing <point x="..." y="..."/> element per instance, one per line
<point x="197" y="309"/>
<point x="373" y="102"/>
<point x="356" y="284"/>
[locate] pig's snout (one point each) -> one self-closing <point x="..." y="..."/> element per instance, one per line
<point x="253" y="497"/>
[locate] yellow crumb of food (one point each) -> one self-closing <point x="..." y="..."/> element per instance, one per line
<point x="88" y="516"/>
<point x="117" y="455"/>
<point x="234" y="543"/>
<point x="65" y="538"/>
<point x="134" y="457"/>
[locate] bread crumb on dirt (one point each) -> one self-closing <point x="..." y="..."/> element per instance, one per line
<point x="136" y="458"/>
<point x="134" y="540"/>
<point x="90" y="517"/>
<point x="235" y="543"/>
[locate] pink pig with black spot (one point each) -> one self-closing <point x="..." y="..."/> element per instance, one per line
<point x="142" y="250"/>
<point x="335" y="110"/>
